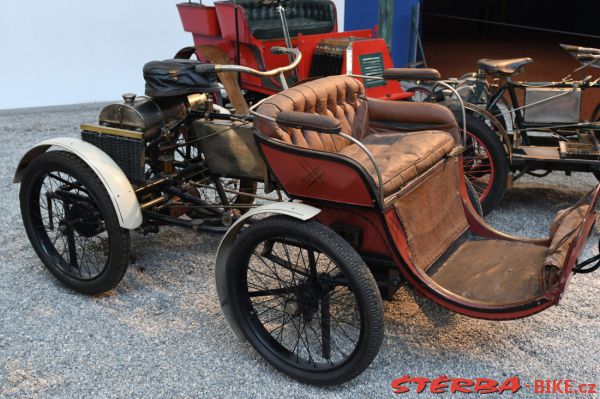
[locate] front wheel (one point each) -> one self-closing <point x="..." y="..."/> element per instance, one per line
<point x="485" y="162"/>
<point x="305" y="300"/>
<point x="72" y="224"/>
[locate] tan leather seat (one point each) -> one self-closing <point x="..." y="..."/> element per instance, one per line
<point x="384" y="127"/>
<point x="401" y="156"/>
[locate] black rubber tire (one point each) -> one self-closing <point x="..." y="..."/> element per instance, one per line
<point x="499" y="159"/>
<point x="119" y="251"/>
<point x="361" y="283"/>
<point x="473" y="197"/>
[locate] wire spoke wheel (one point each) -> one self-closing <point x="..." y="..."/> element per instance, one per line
<point x="218" y="193"/>
<point x="73" y="226"/>
<point x="478" y="166"/>
<point x="312" y="313"/>
<point x="231" y="195"/>
<point x="222" y="195"/>
<point x="71" y="223"/>
<point x="485" y="163"/>
<point x="300" y="301"/>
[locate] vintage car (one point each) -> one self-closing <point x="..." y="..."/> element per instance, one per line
<point x="370" y="203"/>
<point x="243" y="31"/>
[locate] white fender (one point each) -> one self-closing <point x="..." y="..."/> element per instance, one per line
<point x="116" y="183"/>
<point x="292" y="209"/>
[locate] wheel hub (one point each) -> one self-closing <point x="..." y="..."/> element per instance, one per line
<point x="84" y="218"/>
<point x="308" y="296"/>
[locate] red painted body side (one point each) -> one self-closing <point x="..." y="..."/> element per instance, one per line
<point x="336" y="187"/>
<point x="317" y="178"/>
<point x="374" y="238"/>
<point x="579" y="243"/>
<point x="215" y="25"/>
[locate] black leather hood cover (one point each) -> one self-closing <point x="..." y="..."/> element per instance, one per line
<point x="176" y="77"/>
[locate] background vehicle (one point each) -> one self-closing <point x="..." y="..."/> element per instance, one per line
<point x="538" y="124"/>
<point x="242" y="32"/>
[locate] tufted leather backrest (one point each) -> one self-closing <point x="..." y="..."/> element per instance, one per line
<point x="342" y="97"/>
<point x="318" y="10"/>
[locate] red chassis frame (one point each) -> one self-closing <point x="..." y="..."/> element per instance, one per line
<point x="215" y="25"/>
<point x="353" y="201"/>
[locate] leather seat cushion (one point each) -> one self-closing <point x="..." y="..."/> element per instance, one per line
<point x="401" y="156"/>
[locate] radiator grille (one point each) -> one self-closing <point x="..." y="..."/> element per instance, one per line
<point x="327" y="60"/>
<point x="126" y="152"/>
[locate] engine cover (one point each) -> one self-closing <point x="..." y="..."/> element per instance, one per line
<point x="148" y="115"/>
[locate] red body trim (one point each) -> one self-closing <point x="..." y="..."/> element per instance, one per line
<point x="314" y="178"/>
<point x="216" y="26"/>
<point x="307" y="177"/>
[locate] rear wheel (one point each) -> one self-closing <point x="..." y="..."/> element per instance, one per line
<point x="219" y="193"/>
<point x="485" y="163"/>
<point x="473" y="197"/>
<point x="305" y="300"/>
<point x="72" y="224"/>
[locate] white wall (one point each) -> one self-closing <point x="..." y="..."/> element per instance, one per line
<point x="56" y="52"/>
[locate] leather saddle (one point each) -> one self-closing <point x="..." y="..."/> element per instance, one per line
<point x="505" y="67"/>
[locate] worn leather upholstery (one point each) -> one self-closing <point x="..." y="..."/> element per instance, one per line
<point x="432" y="214"/>
<point x="563" y="232"/>
<point x="495" y="272"/>
<point x="308" y="17"/>
<point x="400" y="154"/>
<point x="407" y="116"/>
<point x="304" y="120"/>
<point x="502" y="272"/>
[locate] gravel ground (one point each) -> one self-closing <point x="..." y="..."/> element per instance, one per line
<point x="161" y="332"/>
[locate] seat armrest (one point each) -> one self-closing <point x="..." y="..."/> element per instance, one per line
<point x="400" y="115"/>
<point x="305" y="121"/>
<point x="411" y="74"/>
